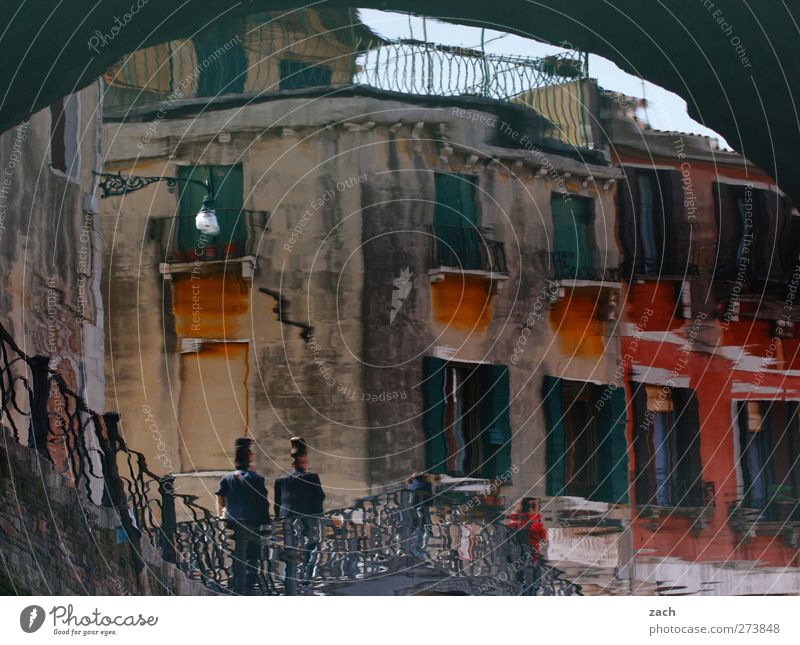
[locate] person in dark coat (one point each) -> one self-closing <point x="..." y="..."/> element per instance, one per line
<point x="298" y="502"/>
<point x="298" y="493"/>
<point x="242" y="500"/>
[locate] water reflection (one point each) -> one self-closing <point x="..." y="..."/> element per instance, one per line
<point x="580" y="339"/>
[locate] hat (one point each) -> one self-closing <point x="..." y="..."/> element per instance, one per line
<point x="299" y="447"/>
<point x="241" y="452"/>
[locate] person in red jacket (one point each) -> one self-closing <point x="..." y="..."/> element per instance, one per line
<point x="526" y="519"/>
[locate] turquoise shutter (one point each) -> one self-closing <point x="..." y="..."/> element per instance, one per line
<point x="455" y="201"/>
<point x="433" y="414"/>
<point x="228" y="192"/>
<point x="221" y="71"/>
<point x="556" y="441"/>
<point x="455" y="220"/>
<point x="496" y="422"/>
<point x="573" y="237"/>
<point x="614" y="450"/>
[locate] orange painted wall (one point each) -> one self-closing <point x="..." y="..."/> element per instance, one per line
<point x="462" y="302"/>
<point x="574" y="318"/>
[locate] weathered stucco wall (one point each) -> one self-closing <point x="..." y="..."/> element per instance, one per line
<point x="349" y="187"/>
<point x="50" y="247"/>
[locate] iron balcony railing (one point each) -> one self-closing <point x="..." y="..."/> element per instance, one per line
<point x="372" y="538"/>
<point x="577" y="266"/>
<point x="280" y="59"/>
<point x="782" y="511"/>
<point x="660" y="268"/>
<point x="241" y="230"/>
<point x="466" y="249"/>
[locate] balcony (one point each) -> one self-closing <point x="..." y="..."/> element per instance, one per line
<point x="185" y="249"/>
<point x="573" y="269"/>
<point x="467" y="250"/>
<point x="774" y="516"/>
<point x="659" y="269"/>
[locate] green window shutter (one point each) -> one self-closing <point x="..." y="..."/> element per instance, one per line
<point x="496" y="421"/>
<point x="229" y="191"/>
<point x="613" y="451"/>
<point x="221" y="71"/>
<point x="556" y="442"/>
<point x="455" y="200"/>
<point x="455" y="220"/>
<point x="433" y="414"/>
<point x="573" y="236"/>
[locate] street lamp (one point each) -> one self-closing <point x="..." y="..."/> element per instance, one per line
<point x="114" y="185"/>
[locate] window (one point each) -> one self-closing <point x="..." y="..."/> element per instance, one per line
<point x="64" y="136"/>
<point x="228" y="189"/>
<point x="586" y="450"/>
<point x="573" y="237"/>
<point x="666" y="440"/>
<point x="222" y="62"/>
<point x="459" y="242"/>
<point x="768" y="456"/>
<point x="296" y="75"/>
<point x="654" y="227"/>
<point x="466" y="419"/>
<point x="755" y="234"/>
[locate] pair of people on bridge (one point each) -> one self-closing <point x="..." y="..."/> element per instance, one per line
<point x="242" y="499"/>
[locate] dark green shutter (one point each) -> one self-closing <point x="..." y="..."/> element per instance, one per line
<point x="433" y="414"/>
<point x="459" y="242"/>
<point x="221" y="71"/>
<point x="495" y="421"/>
<point x="628" y="208"/>
<point x="573" y="236"/>
<point x="688" y="467"/>
<point x="229" y="191"/>
<point x="556" y="441"/>
<point x="613" y="451"/>
<point x="676" y="226"/>
<point x="295" y="75"/>
<point x="729" y="232"/>
<point x="455" y="201"/>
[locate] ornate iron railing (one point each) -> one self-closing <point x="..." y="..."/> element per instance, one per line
<point x="574" y="266"/>
<point x="373" y="538"/>
<point x="659" y="268"/>
<point x="181" y="241"/>
<point x="466" y="248"/>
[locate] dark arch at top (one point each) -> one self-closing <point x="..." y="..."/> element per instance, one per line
<point x="733" y="61"/>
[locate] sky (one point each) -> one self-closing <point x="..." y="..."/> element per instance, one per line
<point x="665" y="111"/>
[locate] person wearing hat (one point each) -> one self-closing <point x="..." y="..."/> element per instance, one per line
<point x="242" y="500"/>
<point x="298" y="502"/>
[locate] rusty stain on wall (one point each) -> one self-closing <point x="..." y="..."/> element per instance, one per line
<point x="574" y="318"/>
<point x="211" y="305"/>
<point x="462" y="302"/>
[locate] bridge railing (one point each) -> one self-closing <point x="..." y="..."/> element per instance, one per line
<point x="374" y="537"/>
